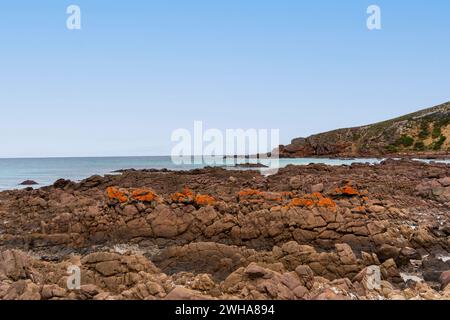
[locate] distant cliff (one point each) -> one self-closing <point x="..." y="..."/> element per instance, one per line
<point x="419" y="133"/>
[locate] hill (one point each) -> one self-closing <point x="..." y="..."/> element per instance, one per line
<point x="423" y="132"/>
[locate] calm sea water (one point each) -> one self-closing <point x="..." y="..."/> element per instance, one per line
<point x="45" y="171"/>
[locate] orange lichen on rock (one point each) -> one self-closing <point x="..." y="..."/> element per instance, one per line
<point x="204" y="200"/>
<point x="144" y="195"/>
<point x="310" y="200"/>
<point x="117" y="194"/>
<point x="359" y="209"/>
<point x="248" y="192"/>
<point x="347" y="191"/>
<point x="186" y="196"/>
<point x="123" y="195"/>
<point x="301" y="202"/>
<point x="326" y="203"/>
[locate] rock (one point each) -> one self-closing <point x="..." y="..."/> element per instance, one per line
<point x="22" y="290"/>
<point x="14" y="264"/>
<point x="130" y="210"/>
<point x="300" y="292"/>
<point x="203" y="282"/>
<point x="167" y="224"/>
<point x="61" y="183"/>
<point x="109" y="268"/>
<point x="370" y="278"/>
<point x="346" y="254"/>
<point x="253" y="271"/>
<point x="390" y="272"/>
<point x="444" y="278"/>
<point x="386" y="252"/>
<point x="329" y="294"/>
<point x="306" y="276"/>
<point x="295" y="182"/>
<point x="406" y="255"/>
<point x="100" y="257"/>
<point x="90" y="290"/>
<point x="376" y="209"/>
<point x="422" y="237"/>
<point x="433" y="268"/>
<point x="28" y="183"/>
<point x="181" y="293"/>
<point x="155" y="289"/>
<point x="38" y="202"/>
<point x="52" y="291"/>
<point x="376" y="227"/>
<point x="445" y="182"/>
<point x="231" y="238"/>
<point x="317" y="188"/>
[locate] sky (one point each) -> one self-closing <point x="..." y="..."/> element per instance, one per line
<point x="138" y="70"/>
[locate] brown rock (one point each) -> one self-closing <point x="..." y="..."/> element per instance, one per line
<point x="52" y="291"/>
<point x="109" y="268"/>
<point x="167" y="224"/>
<point x="181" y="293"/>
<point x="295" y="182"/>
<point x="345" y="254"/>
<point x="445" y="278"/>
<point x="14" y="264"/>
<point x="253" y="271"/>
<point x="317" y="188"/>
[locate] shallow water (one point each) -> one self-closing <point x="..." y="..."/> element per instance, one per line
<point x="45" y="171"/>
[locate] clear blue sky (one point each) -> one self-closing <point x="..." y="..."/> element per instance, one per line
<point x="140" y="69"/>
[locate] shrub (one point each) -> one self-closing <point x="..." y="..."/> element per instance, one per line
<point x="436" y="132"/>
<point x="419" y="146"/>
<point x="392" y="148"/>
<point x="438" y="144"/>
<point x="424" y="130"/>
<point x="405" y="141"/>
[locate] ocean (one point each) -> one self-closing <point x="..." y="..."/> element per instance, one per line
<point x="45" y="171"/>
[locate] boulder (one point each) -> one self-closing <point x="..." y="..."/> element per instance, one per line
<point x="444" y="279"/>
<point x="317" y="188"/>
<point x="28" y="183"/>
<point x="295" y="182"/>
<point x="181" y="293"/>
<point x="14" y="264"/>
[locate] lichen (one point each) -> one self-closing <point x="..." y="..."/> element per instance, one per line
<point x="204" y="200"/>
<point x="117" y="194"/>
<point x="186" y="196"/>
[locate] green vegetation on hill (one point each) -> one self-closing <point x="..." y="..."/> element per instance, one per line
<point x="425" y="130"/>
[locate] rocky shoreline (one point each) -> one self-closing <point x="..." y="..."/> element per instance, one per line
<point x="307" y="232"/>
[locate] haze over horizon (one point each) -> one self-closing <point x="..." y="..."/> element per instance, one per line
<point x="136" y="71"/>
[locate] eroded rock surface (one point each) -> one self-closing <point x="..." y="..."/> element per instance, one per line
<point x="307" y="232"/>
